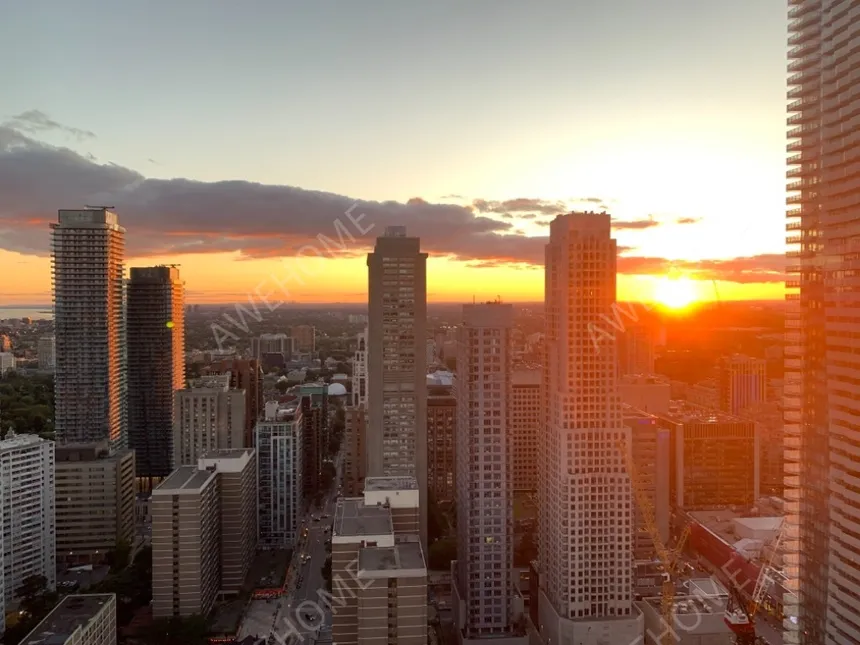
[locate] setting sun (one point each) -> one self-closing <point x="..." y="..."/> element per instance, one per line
<point x="675" y="293"/>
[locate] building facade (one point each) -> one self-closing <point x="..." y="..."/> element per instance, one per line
<point x="186" y="543"/>
<point x="87" y="252"/>
<point x="155" y="323"/>
<point x="484" y="472"/>
<point x="246" y="375"/>
<point x="396" y="361"/>
<point x="526" y="416"/>
<point x="304" y="338"/>
<point x="237" y="488"/>
<point x="209" y="416"/>
<point x="359" y="371"/>
<point x="636" y="349"/>
<point x="354" y="471"/>
<point x="441" y="424"/>
<point x="714" y="458"/>
<point x="95" y="498"/>
<point x="279" y="465"/>
<point x="272" y="344"/>
<point x="28" y="512"/>
<point x="45" y="350"/>
<point x="742" y="383"/>
<point x="586" y="519"/>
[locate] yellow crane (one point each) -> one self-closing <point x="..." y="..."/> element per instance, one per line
<point x="669" y="557"/>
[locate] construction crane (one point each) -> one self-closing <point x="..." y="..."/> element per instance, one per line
<point x="740" y="612"/>
<point x="669" y="558"/>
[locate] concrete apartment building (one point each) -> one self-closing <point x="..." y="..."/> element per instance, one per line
<point x="45" y="350"/>
<point x="246" y="375"/>
<point x="79" y="619"/>
<point x="482" y="573"/>
<point x="354" y="468"/>
<point x="272" y="344"/>
<point x="741" y="383"/>
<point x="396" y="361"/>
<point x="378" y="562"/>
<point x="237" y="479"/>
<point x="155" y="324"/>
<point x="525" y="423"/>
<point x="28" y="545"/>
<point x="713" y="458"/>
<point x="645" y="392"/>
<point x="280" y="496"/>
<point x="209" y="416"/>
<point x="305" y="338"/>
<point x="95" y="497"/>
<point x="7" y="363"/>
<point x="441" y="422"/>
<point x="586" y="502"/>
<point x="650" y="445"/>
<point x="635" y="348"/>
<point x="186" y="543"/>
<point x="87" y="253"/>
<point x="359" y="371"/>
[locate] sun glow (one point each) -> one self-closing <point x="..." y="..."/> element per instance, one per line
<point x="675" y="292"/>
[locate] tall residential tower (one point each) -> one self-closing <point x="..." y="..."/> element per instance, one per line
<point x="484" y="464"/>
<point x="822" y="348"/>
<point x="586" y="519"/>
<point x="396" y="361"/>
<point x="156" y="365"/>
<point x="89" y="321"/>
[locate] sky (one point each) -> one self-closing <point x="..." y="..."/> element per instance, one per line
<point x="231" y="136"/>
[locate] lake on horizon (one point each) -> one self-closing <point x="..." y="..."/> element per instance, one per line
<point x="37" y="312"/>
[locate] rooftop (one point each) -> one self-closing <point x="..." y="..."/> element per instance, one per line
<point x="185" y="479"/>
<point x="690" y="605"/>
<point x="404" y="482"/>
<point x="227" y="453"/>
<point x="73" y="613"/>
<point x="352" y="518"/>
<point x="210" y="382"/>
<point x="401" y="556"/>
<point x="686" y="412"/>
<point x="642" y="379"/>
<point x="767" y="514"/>
<point x="14" y="441"/>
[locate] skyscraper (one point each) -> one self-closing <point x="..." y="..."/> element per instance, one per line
<point x="586" y="518"/>
<point x="90" y="372"/>
<point x="742" y="383"/>
<point x="484" y="477"/>
<point x="396" y="361"/>
<point x="156" y="365"/>
<point x="822" y="350"/>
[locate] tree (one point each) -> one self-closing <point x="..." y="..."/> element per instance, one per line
<point x="120" y="556"/>
<point x="526" y="551"/>
<point x="441" y="553"/>
<point x="282" y="386"/>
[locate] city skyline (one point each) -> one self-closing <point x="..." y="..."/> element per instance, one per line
<point x="302" y="159"/>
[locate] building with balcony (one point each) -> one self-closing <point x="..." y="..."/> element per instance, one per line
<point x="88" y="248"/>
<point x="210" y="415"/>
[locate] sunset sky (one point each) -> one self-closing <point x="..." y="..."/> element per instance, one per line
<point x="231" y="134"/>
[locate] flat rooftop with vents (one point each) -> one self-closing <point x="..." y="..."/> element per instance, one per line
<point x="354" y="519"/>
<point x="86" y="619"/>
<point x="185" y="479"/>
<point x="402" y="560"/>
<point x="376" y="484"/>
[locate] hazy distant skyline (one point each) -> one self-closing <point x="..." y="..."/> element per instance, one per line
<point x="669" y="110"/>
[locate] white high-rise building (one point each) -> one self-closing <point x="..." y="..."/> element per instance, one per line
<point x="359" y="371"/>
<point x="7" y="362"/>
<point x="27" y="513"/>
<point x="209" y="415"/>
<point x="822" y="347"/>
<point x="278" y="439"/>
<point x="483" y="601"/>
<point x="586" y="501"/>
<point x="396" y="361"/>
<point x="88" y="249"/>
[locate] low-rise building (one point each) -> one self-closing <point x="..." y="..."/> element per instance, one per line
<point x="95" y="501"/>
<point x="80" y="619"/>
<point x="378" y="561"/>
